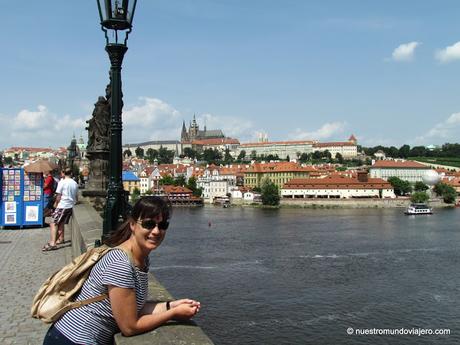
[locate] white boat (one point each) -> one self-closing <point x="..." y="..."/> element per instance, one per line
<point x="415" y="209"/>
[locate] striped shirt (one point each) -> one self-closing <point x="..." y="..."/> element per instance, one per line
<point x="94" y="323"/>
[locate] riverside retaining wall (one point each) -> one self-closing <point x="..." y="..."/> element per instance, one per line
<point x="354" y="203"/>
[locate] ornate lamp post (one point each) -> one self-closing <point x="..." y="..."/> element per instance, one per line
<point x="116" y="15"/>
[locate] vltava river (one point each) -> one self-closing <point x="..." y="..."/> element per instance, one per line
<point x="304" y="276"/>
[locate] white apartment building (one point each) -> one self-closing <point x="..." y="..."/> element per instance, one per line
<point x="214" y="184"/>
<point x="149" y="178"/>
<point x="280" y="148"/>
<point x="213" y="189"/>
<point x="143" y="181"/>
<point x="346" y="148"/>
<point x="405" y="170"/>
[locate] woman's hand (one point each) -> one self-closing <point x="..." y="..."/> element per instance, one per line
<point x="185" y="309"/>
<point x="178" y="302"/>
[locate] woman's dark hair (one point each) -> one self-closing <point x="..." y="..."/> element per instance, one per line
<point x="145" y="207"/>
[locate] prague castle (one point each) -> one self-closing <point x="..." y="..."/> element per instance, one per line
<point x="194" y="133"/>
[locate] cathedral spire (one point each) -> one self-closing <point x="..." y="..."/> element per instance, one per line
<point x="184" y="135"/>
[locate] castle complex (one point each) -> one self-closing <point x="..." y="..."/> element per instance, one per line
<point x="194" y="133"/>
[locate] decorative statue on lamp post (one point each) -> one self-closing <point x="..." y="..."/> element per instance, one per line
<point x="116" y="16"/>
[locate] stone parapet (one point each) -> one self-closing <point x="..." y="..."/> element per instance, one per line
<point x="86" y="228"/>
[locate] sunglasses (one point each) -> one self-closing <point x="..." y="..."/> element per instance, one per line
<point x="150" y="224"/>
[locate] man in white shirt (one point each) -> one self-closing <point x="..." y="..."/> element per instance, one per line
<point x="66" y="191"/>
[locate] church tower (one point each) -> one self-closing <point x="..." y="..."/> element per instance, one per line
<point x="352" y="139"/>
<point x="193" y="132"/>
<point x="184" y="136"/>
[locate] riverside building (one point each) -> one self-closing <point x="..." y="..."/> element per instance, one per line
<point x="405" y="170"/>
<point x="338" y="188"/>
<point x="277" y="172"/>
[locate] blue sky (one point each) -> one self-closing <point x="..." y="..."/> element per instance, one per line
<point x="386" y="71"/>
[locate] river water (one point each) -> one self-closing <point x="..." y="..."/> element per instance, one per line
<point x="304" y="276"/>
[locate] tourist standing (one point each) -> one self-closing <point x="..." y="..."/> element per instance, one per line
<point x="48" y="191"/>
<point x="66" y="197"/>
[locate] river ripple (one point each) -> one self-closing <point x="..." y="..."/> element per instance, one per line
<point x="303" y="276"/>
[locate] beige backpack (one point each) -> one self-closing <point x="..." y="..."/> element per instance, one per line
<point x="56" y="295"/>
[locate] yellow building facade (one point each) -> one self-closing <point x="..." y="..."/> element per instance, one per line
<point x="278" y="173"/>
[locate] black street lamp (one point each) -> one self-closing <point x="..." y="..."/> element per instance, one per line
<point x="116" y="15"/>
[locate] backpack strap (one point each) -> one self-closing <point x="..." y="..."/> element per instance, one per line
<point x="128" y="253"/>
<point x="74" y="305"/>
<point x="78" y="304"/>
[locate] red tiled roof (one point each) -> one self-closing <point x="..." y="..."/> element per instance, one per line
<point x="29" y="149"/>
<point x="230" y="171"/>
<point x="168" y="189"/>
<point x="268" y="143"/>
<point x="337" y="183"/>
<point x="279" y="167"/>
<point x="399" y="164"/>
<point x="335" y="143"/>
<point x="455" y="182"/>
<point x="447" y="172"/>
<point x="149" y="170"/>
<point x="215" y="141"/>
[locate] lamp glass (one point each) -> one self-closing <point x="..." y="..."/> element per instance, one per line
<point x="116" y="14"/>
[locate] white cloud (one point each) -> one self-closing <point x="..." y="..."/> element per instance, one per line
<point x="233" y="127"/>
<point x="39" y="128"/>
<point x="444" y="131"/>
<point x="151" y="112"/>
<point x="449" y="53"/>
<point x="153" y="119"/>
<point x="27" y="119"/>
<point x="405" y="51"/>
<point x="149" y="119"/>
<point x="326" y="131"/>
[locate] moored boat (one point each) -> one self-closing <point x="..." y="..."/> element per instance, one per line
<point x="416" y="209"/>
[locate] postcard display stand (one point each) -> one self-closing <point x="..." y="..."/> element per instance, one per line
<point x="21" y="198"/>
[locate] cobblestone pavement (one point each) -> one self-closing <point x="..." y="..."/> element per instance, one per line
<point x="23" y="268"/>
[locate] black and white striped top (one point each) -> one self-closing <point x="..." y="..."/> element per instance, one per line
<point x="94" y="323"/>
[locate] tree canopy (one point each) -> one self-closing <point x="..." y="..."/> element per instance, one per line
<point x="139" y="152"/>
<point x="419" y="197"/>
<point x="401" y="187"/>
<point x="127" y="153"/>
<point x="405" y="151"/>
<point x="420" y="186"/>
<point x="270" y="194"/>
<point x="448" y="193"/>
<point x="242" y="155"/>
